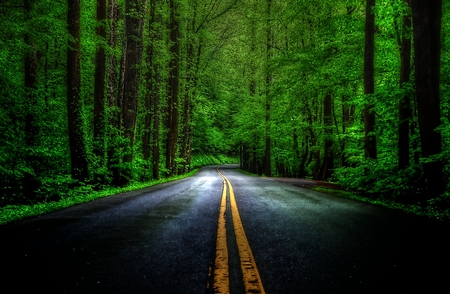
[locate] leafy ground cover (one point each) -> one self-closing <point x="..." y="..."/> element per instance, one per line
<point x="86" y="193"/>
<point x="80" y="195"/>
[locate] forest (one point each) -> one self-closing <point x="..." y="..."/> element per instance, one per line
<point x="106" y="93"/>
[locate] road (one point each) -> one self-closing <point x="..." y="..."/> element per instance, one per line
<point x="167" y="239"/>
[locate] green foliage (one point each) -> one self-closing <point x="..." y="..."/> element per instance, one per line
<point x="82" y="194"/>
<point x="382" y="180"/>
<point x="199" y="160"/>
<point x="239" y="92"/>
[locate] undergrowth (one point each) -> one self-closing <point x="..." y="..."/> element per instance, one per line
<point x="59" y="195"/>
<point x="199" y="160"/>
<point x="76" y="196"/>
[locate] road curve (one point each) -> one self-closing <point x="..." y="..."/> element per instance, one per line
<point x="163" y="240"/>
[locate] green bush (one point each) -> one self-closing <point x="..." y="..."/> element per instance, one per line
<point x="382" y="180"/>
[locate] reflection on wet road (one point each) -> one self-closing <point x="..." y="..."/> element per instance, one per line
<point x="188" y="236"/>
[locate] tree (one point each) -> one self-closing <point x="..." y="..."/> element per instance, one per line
<point x="79" y="164"/>
<point x="173" y="84"/>
<point x="30" y="180"/>
<point x="149" y="88"/>
<point x="427" y="51"/>
<point x="328" y="162"/>
<point x="405" y="113"/>
<point x="267" y="155"/>
<point x="156" y="87"/>
<point x="134" y="22"/>
<point x="370" y="143"/>
<point x="99" y="93"/>
<point x="111" y="93"/>
<point x="281" y="82"/>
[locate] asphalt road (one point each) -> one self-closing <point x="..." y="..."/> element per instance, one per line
<point x="163" y="240"/>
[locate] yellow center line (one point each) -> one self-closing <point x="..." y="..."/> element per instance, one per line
<point x="250" y="273"/>
<point x="221" y="277"/>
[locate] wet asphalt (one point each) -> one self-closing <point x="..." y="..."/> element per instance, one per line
<point x="162" y="240"/>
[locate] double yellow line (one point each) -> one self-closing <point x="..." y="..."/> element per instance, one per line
<point x="252" y="280"/>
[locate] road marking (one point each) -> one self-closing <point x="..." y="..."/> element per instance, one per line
<point x="250" y="273"/>
<point x="221" y="282"/>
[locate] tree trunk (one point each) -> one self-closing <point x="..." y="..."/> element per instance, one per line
<point x="30" y="180"/>
<point x="156" y="68"/>
<point x="254" y="167"/>
<point x="302" y="169"/>
<point x="246" y="157"/>
<point x="427" y="48"/>
<point x="99" y="89"/>
<point x="267" y="155"/>
<point x="370" y="143"/>
<point x="345" y="124"/>
<point x="187" y="107"/>
<point x="172" y="109"/>
<point x="328" y="162"/>
<point x="149" y="88"/>
<point x="184" y="144"/>
<point x="111" y="93"/>
<point x="30" y="71"/>
<point x="296" y="165"/>
<point x="241" y="156"/>
<point x="133" y="56"/>
<point x="315" y="153"/>
<point x="79" y="164"/>
<point x="405" y="114"/>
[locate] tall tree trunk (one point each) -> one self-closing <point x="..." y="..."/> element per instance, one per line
<point x="30" y="180"/>
<point x="241" y="156"/>
<point x="296" y="165"/>
<point x="155" y="135"/>
<point x="370" y="143"/>
<point x="111" y="93"/>
<point x="172" y="119"/>
<point x="79" y="164"/>
<point x="157" y="68"/>
<point x="30" y="71"/>
<point x="186" y="122"/>
<point x="328" y="162"/>
<point x="134" y="18"/>
<point x="190" y="70"/>
<point x="427" y="49"/>
<point x="99" y="89"/>
<point x="253" y="160"/>
<point x="254" y="167"/>
<point x="315" y="153"/>
<point x="405" y="114"/>
<point x="246" y="157"/>
<point x="149" y="86"/>
<point x="267" y="155"/>
<point x="345" y="124"/>
<point x="302" y="169"/>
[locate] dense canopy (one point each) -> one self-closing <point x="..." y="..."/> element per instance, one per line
<point x="99" y="93"/>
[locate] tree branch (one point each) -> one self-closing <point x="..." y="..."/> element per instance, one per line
<point x="206" y="20"/>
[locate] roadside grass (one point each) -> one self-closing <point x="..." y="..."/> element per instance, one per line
<point x="431" y="211"/>
<point x="80" y="195"/>
<point x="86" y="193"/>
